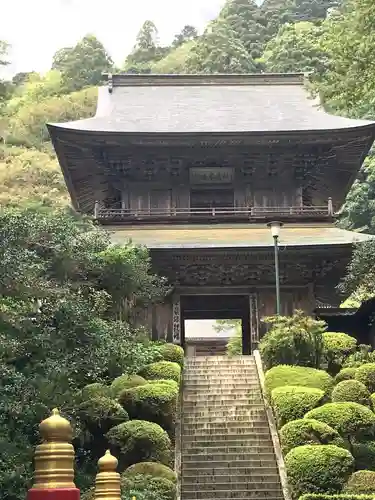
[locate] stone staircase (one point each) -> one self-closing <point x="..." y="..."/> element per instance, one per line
<point x="227" y="450"/>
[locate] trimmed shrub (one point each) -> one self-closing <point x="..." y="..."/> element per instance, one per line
<point x="297" y="375"/>
<point x="292" y="340"/>
<point x="156" y="402"/>
<point x="364" y="455"/>
<point x="349" y="419"/>
<point x="361" y="482"/>
<point x="364" y="354"/>
<point x="152" y="487"/>
<point x="153" y="469"/>
<point x="351" y="390"/>
<point x="101" y="413"/>
<point x="292" y="402"/>
<point x="322" y="496"/>
<point x="162" y="370"/>
<point x="94" y="390"/>
<point x="138" y="440"/>
<point x="318" y="469"/>
<point x="366" y="375"/>
<point x="345" y="374"/>
<point x="336" y="348"/>
<point x="308" y="431"/>
<point x="126" y="382"/>
<point x="173" y="353"/>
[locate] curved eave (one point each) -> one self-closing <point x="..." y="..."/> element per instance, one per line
<point x="66" y="130"/>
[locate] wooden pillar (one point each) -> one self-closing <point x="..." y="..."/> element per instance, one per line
<point x="246" y="329"/>
<point x="176" y="316"/>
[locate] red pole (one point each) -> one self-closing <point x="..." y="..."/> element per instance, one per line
<point x="54" y="462"/>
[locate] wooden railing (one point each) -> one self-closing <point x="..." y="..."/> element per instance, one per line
<point x="209" y="213"/>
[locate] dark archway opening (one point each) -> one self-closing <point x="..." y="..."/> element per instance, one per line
<point x="213" y="307"/>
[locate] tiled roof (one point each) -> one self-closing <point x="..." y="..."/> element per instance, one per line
<point x="229" y="236"/>
<point x="209" y="104"/>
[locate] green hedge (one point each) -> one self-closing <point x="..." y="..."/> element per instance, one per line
<point x="161" y="370"/>
<point x="137" y="440"/>
<point x="156" y="402"/>
<point x="345" y="374"/>
<point x="172" y="352"/>
<point x="322" y="496"/>
<point x="281" y="375"/>
<point x="366" y="375"/>
<point x="125" y="382"/>
<point x="349" y="419"/>
<point x="153" y="469"/>
<point x="100" y="413"/>
<point x="292" y="402"/>
<point x="318" y="469"/>
<point x="351" y="390"/>
<point x="361" y="482"/>
<point x="94" y="390"/>
<point x="336" y="348"/>
<point x="152" y="487"/>
<point x="364" y="455"/>
<point x="308" y="431"/>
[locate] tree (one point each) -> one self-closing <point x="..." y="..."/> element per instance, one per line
<point x="220" y="51"/>
<point x="59" y="328"/>
<point x="295" y="49"/>
<point x="349" y="85"/>
<point x="187" y="34"/>
<point x="175" y="61"/>
<point x="146" y="50"/>
<point x="4" y="86"/>
<point x="360" y="276"/>
<point x="83" y="65"/>
<point x="358" y="212"/>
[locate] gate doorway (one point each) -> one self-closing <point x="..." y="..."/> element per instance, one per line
<point x="214" y="307"/>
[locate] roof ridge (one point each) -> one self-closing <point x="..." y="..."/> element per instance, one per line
<point x="131" y="80"/>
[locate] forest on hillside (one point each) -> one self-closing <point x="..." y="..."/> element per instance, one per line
<point x="332" y="40"/>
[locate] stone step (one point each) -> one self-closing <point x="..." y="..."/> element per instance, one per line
<point x="226" y="466"/>
<point x="208" y="439"/>
<point x="258" y="452"/>
<point x="234" y="418"/>
<point x="216" y="426"/>
<point x="269" y="494"/>
<point x="219" y="450"/>
<point x="193" y="401"/>
<point x="221" y="485"/>
<point x="207" y="375"/>
<point x="223" y="411"/>
<point x="246" y="388"/>
<point x="229" y="445"/>
<point x="207" y="430"/>
<point x="261" y="475"/>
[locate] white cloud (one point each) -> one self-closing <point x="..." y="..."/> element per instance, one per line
<point x="37" y="29"/>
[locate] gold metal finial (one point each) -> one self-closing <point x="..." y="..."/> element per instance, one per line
<point x="54" y="458"/>
<point x="108" y="481"/>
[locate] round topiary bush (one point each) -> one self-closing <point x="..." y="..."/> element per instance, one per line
<point x="139" y="440"/>
<point x="336" y="348"/>
<point x="308" y="431"/>
<point x="351" y="390"/>
<point x="162" y="370"/>
<point x="297" y="375"/>
<point x="173" y="353"/>
<point x="361" y="482"/>
<point x="101" y="413"/>
<point x="345" y="374"/>
<point x="156" y="402"/>
<point x="364" y="455"/>
<point x="349" y="419"/>
<point x="153" y="469"/>
<point x="318" y="469"/>
<point x="94" y="390"/>
<point x="366" y="375"/>
<point x="292" y="402"/>
<point x="158" y="488"/>
<point x="125" y="382"/>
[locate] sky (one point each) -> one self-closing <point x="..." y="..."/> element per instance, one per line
<point x="36" y="29"/>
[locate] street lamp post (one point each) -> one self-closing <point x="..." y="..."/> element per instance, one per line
<point x="275" y="231"/>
